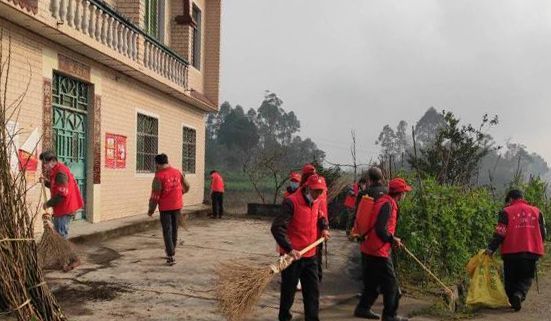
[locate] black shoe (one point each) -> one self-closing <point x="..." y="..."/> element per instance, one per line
<point x="516" y="302"/>
<point x="170" y="261"/>
<point x="394" y="318"/>
<point x="366" y="314"/>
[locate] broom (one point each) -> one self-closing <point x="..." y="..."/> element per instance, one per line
<point x="240" y="285"/>
<point x="54" y="252"/>
<point x="336" y="188"/>
<point x="452" y="294"/>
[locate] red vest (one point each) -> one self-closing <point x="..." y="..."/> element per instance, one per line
<point x="171" y="197"/>
<point x="373" y="245"/>
<point x="522" y="233"/>
<point x="217" y="184"/>
<point x="73" y="200"/>
<point x="303" y="227"/>
<point x="350" y="200"/>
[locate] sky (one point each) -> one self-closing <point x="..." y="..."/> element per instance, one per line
<point x="360" y="64"/>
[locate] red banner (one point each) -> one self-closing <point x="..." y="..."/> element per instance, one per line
<point x="115" y="151"/>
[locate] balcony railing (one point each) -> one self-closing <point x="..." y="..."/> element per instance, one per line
<point x="101" y="23"/>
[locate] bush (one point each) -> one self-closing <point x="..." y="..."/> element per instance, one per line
<point x="536" y="193"/>
<point x="444" y="225"/>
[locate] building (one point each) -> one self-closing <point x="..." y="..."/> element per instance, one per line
<point x="109" y="84"/>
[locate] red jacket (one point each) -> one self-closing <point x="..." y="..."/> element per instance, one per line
<point x="217" y="183"/>
<point x="170" y="196"/>
<point x="373" y="245"/>
<point x="72" y="200"/>
<point x="303" y="227"/>
<point x="522" y="232"/>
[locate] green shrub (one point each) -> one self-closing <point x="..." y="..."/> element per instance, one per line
<point x="444" y="225"/>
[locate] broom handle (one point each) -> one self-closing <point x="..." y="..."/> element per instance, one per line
<point x="427" y="269"/>
<point x="312" y="246"/>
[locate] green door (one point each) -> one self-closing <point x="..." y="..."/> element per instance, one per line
<point x="70" y="100"/>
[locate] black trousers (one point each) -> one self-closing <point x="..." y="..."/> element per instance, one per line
<point x="305" y="270"/>
<point x="379" y="276"/>
<point x="319" y="257"/>
<point x="518" y="274"/>
<point x="169" y="222"/>
<point x="217" y="204"/>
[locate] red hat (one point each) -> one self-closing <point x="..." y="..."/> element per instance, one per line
<point x="398" y="185"/>
<point x="316" y="182"/>
<point x="308" y="169"/>
<point x="295" y="177"/>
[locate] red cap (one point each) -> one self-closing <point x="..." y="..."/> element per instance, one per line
<point x="295" y="177"/>
<point x="308" y="169"/>
<point x="316" y="182"/>
<point x="398" y="185"/>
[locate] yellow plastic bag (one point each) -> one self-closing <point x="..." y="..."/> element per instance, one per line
<point x="485" y="288"/>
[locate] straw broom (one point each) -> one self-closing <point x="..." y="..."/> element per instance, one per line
<point x="336" y="188"/>
<point x="240" y="285"/>
<point x="54" y="252"/>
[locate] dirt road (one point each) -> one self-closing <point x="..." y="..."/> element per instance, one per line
<point x="126" y="279"/>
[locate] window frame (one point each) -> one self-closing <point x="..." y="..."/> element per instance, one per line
<point x="197" y="41"/>
<point x="137" y="153"/>
<point x="184" y="145"/>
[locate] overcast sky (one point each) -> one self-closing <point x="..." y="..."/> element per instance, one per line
<point x="361" y="64"/>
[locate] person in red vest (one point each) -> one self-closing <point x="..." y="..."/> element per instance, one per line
<point x="350" y="206"/>
<point x="65" y="199"/>
<point x="217" y="194"/>
<point x="167" y="189"/>
<point x="520" y="232"/>
<point x="377" y="267"/>
<point x="294" y="184"/>
<point x="307" y="171"/>
<point x="294" y="229"/>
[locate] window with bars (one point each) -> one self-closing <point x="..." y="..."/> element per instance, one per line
<point x="196" y="61"/>
<point x="147" y="143"/>
<point x="189" y="143"/>
<point x="152" y="18"/>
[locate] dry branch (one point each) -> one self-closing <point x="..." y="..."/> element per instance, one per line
<point x="23" y="292"/>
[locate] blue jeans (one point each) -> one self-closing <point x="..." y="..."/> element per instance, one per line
<point x="61" y="225"/>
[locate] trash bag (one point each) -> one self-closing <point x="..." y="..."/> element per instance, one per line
<point x="485" y="287"/>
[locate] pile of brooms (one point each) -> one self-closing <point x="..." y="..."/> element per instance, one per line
<point x="23" y="291"/>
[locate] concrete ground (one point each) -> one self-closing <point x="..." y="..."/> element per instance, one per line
<point x="125" y="278"/>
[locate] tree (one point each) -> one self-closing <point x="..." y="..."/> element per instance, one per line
<point x="394" y="145"/>
<point x="454" y="155"/>
<point x="263" y="144"/>
<point x="238" y="131"/>
<point x="426" y="128"/>
<point x="274" y="124"/>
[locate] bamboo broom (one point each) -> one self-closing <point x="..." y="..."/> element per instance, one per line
<point x="54" y="252"/>
<point x="240" y="285"/>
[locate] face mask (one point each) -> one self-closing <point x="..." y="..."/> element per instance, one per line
<point x="294" y="185"/>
